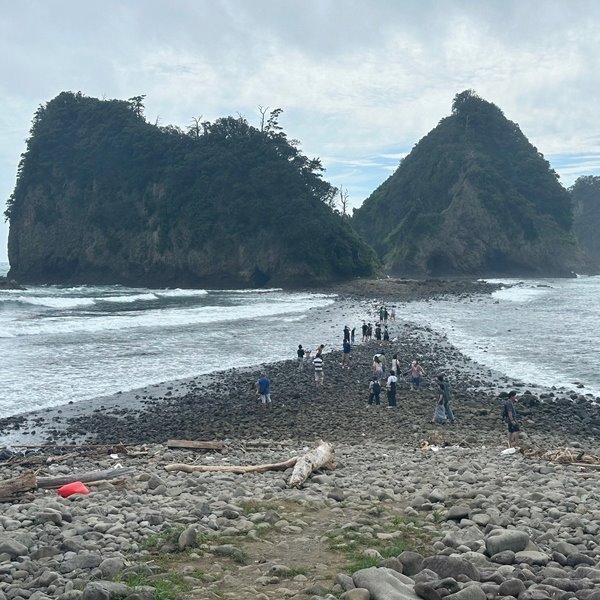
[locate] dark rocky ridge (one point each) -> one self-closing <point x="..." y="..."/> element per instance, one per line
<point x="473" y="197"/>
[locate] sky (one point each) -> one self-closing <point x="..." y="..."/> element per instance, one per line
<point x="359" y="82"/>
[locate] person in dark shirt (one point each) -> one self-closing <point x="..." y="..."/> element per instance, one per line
<point x="300" y="353"/>
<point x="511" y="418"/>
<point x="374" y="391"/>
<point x="346" y="353"/>
<point x="445" y="394"/>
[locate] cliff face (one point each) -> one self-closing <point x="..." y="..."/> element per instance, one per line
<point x="585" y="194"/>
<point x="474" y="197"/>
<point x="104" y="197"/>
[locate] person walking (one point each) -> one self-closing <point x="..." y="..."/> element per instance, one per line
<point x="511" y="418"/>
<point x="374" y="391"/>
<point x="300" y="353"/>
<point x="445" y="394"/>
<point x="318" y="366"/>
<point x="392" y="382"/>
<point x="263" y="386"/>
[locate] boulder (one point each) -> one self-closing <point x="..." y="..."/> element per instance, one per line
<point x="499" y="540"/>
<point x="451" y="566"/>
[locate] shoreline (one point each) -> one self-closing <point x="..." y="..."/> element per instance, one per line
<point x="126" y="415"/>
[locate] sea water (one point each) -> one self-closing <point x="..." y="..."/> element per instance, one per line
<point x="540" y="332"/>
<point x="63" y="343"/>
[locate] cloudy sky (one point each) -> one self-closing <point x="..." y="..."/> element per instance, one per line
<point x="359" y="81"/>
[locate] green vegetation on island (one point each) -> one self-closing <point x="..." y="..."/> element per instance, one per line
<point x="585" y="193"/>
<point x="103" y="196"/>
<point x="473" y="197"/>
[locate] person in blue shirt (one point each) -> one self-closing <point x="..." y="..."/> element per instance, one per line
<point x="346" y="354"/>
<point x="263" y="386"/>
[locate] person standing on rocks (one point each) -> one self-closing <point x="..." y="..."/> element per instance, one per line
<point x="318" y="366"/>
<point x="393" y="314"/>
<point x="365" y="329"/>
<point x="445" y="394"/>
<point x="378" y="332"/>
<point x="263" y="386"/>
<point x="346" y="333"/>
<point x="346" y="353"/>
<point x="374" y="391"/>
<point x="395" y="366"/>
<point x="352" y="334"/>
<point x="386" y="334"/>
<point x="300" y="352"/>
<point x="392" y="382"/>
<point x="416" y="371"/>
<point x="511" y="418"/>
<point x="377" y="368"/>
<point x="369" y="332"/>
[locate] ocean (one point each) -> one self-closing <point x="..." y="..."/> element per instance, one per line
<point x="60" y="344"/>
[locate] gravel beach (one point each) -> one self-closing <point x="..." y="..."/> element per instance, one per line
<point x="412" y="509"/>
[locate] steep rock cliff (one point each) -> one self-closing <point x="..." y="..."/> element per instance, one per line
<point x="473" y="197"/>
<point x="585" y="193"/>
<point x="102" y="196"/>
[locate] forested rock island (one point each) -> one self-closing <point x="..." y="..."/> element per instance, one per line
<point x="473" y="197"/>
<point x="103" y="196"/>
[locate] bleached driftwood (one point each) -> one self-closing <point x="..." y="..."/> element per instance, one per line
<point x="195" y="445"/>
<point x="319" y="457"/>
<point x="231" y="468"/>
<point x="9" y="488"/>
<point x="87" y="477"/>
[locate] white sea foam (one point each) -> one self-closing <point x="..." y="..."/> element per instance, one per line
<point x="179" y="293"/>
<point x="127" y="299"/>
<point x="519" y="294"/>
<point x="161" y="318"/>
<point x="252" y="291"/>
<point x="55" y="301"/>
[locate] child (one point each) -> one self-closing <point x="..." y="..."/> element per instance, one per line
<point x="374" y="391"/>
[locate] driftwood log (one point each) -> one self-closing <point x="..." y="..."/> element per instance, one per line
<point x="321" y="456"/>
<point x="231" y="468"/>
<point x="195" y="445"/>
<point x="87" y="477"/>
<point x="9" y="488"/>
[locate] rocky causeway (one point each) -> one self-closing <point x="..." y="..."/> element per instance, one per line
<point x="411" y="510"/>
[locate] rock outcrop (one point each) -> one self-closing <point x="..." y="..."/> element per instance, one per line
<point x="103" y="196"/>
<point x="473" y="197"/>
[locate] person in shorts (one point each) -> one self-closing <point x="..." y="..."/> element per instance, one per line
<point x="263" y="386"/>
<point x="511" y="418"/>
